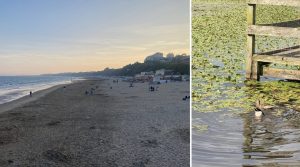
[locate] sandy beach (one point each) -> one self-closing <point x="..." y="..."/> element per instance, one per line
<point x="116" y="126"/>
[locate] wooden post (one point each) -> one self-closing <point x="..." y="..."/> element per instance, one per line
<point x="257" y="70"/>
<point x="251" y="12"/>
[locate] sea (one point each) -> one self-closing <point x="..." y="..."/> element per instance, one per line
<point x="14" y="87"/>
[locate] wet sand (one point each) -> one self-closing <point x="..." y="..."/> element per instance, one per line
<point x="121" y="126"/>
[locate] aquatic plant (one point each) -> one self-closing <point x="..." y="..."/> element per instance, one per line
<point x="219" y="49"/>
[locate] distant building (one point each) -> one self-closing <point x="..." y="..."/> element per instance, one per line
<point x="170" y="57"/>
<point x="147" y="73"/>
<point x="160" y="72"/>
<point x="182" y="58"/>
<point x="164" y="72"/>
<point x="155" y="57"/>
<point x="157" y="78"/>
<point x="144" y="76"/>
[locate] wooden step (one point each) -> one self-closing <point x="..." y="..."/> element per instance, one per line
<point x="275" y="2"/>
<point x="274" y="31"/>
<point x="289" y="56"/>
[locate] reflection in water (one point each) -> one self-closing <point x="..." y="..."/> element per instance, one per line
<point x="232" y="140"/>
<point x="270" y="141"/>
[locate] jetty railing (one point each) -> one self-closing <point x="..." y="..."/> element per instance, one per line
<point x="257" y="64"/>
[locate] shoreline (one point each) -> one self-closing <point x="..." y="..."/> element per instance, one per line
<point x="19" y="102"/>
<point x="16" y="87"/>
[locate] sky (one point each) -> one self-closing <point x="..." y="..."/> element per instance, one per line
<point x="53" y="36"/>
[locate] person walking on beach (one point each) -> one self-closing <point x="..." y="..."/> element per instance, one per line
<point x="30" y="93"/>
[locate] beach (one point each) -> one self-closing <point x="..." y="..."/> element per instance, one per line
<point x="116" y="125"/>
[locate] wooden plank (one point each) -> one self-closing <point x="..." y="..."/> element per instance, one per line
<point x="275" y="2"/>
<point x="274" y="31"/>
<point x="251" y="12"/>
<point x="277" y="59"/>
<point x="293" y="51"/>
<point x="281" y="73"/>
<point x="290" y="56"/>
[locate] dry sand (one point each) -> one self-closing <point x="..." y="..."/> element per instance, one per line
<point x="121" y="126"/>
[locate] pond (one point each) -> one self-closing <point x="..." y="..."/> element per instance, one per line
<point x="225" y="130"/>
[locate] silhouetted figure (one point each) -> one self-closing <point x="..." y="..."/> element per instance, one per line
<point x="152" y="88"/>
<point x="30" y="93"/>
<point x="186" y="97"/>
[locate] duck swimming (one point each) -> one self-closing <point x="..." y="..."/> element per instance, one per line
<point x="259" y="113"/>
<point x="259" y="108"/>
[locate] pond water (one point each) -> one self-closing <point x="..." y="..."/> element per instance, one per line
<point x="225" y="131"/>
<point x="241" y="140"/>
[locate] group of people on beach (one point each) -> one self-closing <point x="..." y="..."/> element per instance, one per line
<point x="152" y="88"/>
<point x="186" y="97"/>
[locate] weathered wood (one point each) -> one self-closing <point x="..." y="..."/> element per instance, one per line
<point x="277" y="59"/>
<point x="251" y="12"/>
<point x="257" y="64"/>
<point x="257" y="70"/>
<point x="255" y="73"/>
<point x="290" y="50"/>
<point x="283" y="56"/>
<point x="281" y="73"/>
<point x="250" y="52"/>
<point x="274" y="31"/>
<point x="275" y="2"/>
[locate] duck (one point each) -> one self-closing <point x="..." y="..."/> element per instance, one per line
<point x="259" y="109"/>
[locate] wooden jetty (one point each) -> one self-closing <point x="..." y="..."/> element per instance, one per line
<point x="257" y="64"/>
